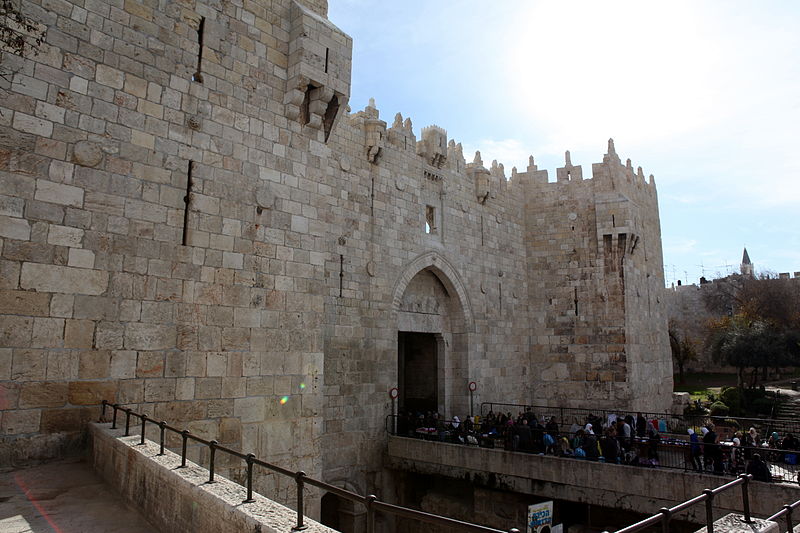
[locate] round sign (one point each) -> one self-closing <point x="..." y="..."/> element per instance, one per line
<point x="394" y="393"/>
<point x="473" y="386"/>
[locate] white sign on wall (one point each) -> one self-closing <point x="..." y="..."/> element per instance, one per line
<point x="540" y="517"/>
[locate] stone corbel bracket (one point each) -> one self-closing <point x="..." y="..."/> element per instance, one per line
<point x="374" y="132"/>
<point x="481" y="177"/>
<point x="318" y="82"/>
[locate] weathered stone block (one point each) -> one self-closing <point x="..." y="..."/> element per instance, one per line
<point x="249" y="409"/>
<point x="61" y="279"/>
<point x="43" y="394"/>
<point x="24" y="303"/>
<point x="149" y="337"/>
<point x="58" y="193"/>
<point x="94" y="364"/>
<point x="78" y="333"/>
<point x="21" y="422"/>
<point x="15" y="331"/>
<point x="15" y="228"/>
<point x="92" y="392"/>
<point x="67" y="420"/>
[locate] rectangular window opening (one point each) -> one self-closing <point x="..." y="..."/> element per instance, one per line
<point x="430" y="219"/>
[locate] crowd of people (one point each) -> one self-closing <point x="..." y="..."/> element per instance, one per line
<point x="620" y="439"/>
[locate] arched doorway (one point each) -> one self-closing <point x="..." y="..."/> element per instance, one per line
<point x="434" y="322"/>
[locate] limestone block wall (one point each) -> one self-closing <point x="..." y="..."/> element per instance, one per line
<point x="161" y="244"/>
<point x="379" y="244"/>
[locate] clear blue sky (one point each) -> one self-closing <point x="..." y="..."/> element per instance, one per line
<point x="704" y="95"/>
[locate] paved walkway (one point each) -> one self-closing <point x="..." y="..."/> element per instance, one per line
<point x="63" y="497"/>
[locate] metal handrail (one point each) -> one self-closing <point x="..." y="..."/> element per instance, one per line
<point x="767" y="425"/>
<point x="371" y="501"/>
<point x="665" y="514"/>
<point x="786" y="510"/>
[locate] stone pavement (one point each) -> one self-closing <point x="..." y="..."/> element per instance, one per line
<point x="63" y="497"/>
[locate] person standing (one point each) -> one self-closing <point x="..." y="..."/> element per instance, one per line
<point x="695" y="451"/>
<point x="712" y="450"/>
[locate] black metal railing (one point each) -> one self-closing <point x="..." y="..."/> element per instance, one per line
<point x="786" y="511"/>
<point x="370" y="502"/>
<point x="673" y="423"/>
<point x="671" y="451"/>
<point x="666" y="514"/>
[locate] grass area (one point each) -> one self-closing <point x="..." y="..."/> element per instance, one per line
<point x="700" y="384"/>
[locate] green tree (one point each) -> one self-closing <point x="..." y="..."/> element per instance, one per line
<point x="683" y="348"/>
<point x="747" y="343"/>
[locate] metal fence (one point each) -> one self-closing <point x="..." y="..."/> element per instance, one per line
<point x="678" y="424"/>
<point x="672" y="451"/>
<point x="786" y="513"/>
<point x="666" y="514"/>
<point x="370" y="502"/>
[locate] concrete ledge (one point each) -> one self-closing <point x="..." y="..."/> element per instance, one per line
<point x="644" y="490"/>
<point x="179" y="499"/>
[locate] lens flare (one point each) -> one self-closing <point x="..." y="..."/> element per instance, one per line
<point x="302" y="386"/>
<point x="284" y="400"/>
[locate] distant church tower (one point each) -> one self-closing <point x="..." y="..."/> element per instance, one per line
<point x="746" y="266"/>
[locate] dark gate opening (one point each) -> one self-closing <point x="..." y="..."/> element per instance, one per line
<point x="417" y="371"/>
<point x="341" y="514"/>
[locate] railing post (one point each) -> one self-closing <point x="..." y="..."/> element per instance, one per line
<point x="789" y="522"/>
<point x="162" y="426"/>
<point x="665" y="516"/>
<point x="144" y="420"/>
<point x="371" y="513"/>
<point x="250" y="458"/>
<point x="298" y="477"/>
<point x="114" y="418"/>
<point x="127" y="422"/>
<point x="103" y="411"/>
<point x="185" y="436"/>
<point x="746" y="496"/>
<point x="709" y="510"/>
<point x="212" y="447"/>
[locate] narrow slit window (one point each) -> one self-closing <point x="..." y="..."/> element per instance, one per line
<point x="187" y="203"/>
<point x="430" y="219"/>
<point x="327" y="57"/>
<point x="198" y="75"/>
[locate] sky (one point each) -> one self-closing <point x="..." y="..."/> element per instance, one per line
<point x="703" y="95"/>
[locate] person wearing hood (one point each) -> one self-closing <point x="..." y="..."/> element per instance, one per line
<point x="759" y="469"/>
<point x="712" y="450"/>
<point x="695" y="451"/>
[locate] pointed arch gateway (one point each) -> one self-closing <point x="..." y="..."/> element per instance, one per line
<point x="434" y="324"/>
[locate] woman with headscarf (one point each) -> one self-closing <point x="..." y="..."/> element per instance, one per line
<point x="750" y="442"/>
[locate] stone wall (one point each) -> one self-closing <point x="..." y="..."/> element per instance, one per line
<point x="195" y="224"/>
